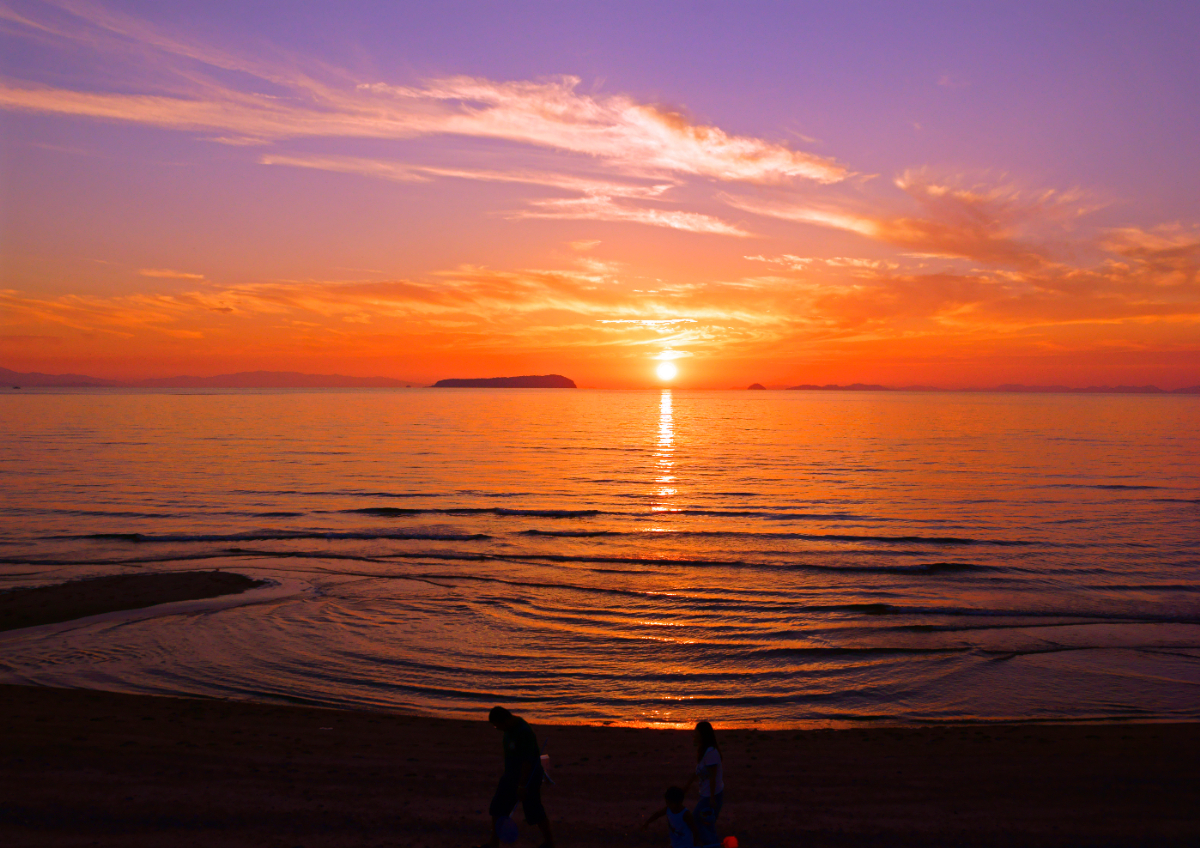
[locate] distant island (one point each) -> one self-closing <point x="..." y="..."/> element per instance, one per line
<point x="240" y="380"/>
<point x="758" y="387"/>
<point x="545" y="381"/>
<point x="1014" y="388"/>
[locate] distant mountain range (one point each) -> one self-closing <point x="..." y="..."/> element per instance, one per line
<point x="1007" y="387"/>
<point x="830" y="387"/>
<point x="241" y="380"/>
<point x="545" y="381"/>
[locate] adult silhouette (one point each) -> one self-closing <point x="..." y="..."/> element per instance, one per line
<point x="522" y="779"/>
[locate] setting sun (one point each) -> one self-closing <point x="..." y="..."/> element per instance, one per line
<point x="666" y="370"/>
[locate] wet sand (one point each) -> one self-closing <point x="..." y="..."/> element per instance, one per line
<point x="96" y="768"/>
<point x="96" y="595"/>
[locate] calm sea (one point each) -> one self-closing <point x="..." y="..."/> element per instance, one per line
<point x="779" y="558"/>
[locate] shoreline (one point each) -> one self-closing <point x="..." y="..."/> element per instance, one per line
<point x="92" y="767"/>
<point x="49" y="608"/>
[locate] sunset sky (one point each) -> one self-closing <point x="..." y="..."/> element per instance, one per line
<point x="938" y="193"/>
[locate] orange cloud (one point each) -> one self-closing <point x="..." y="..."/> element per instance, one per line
<point x="168" y="274"/>
<point x="586" y="315"/>
<point x="993" y="224"/>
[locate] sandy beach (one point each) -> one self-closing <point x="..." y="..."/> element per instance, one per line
<point x="99" y="768"/>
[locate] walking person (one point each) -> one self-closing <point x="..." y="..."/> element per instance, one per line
<point x="522" y="778"/>
<point x="712" y="784"/>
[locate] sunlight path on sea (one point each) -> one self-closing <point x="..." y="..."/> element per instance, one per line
<point x="665" y="455"/>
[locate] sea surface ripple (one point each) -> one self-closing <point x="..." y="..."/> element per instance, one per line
<point x="631" y="557"/>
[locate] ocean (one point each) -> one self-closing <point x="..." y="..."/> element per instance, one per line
<point x="768" y="559"/>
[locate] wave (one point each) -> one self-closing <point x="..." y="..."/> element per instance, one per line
<point x="385" y="511"/>
<point x="766" y="515"/>
<point x="573" y="534"/>
<point x="882" y="650"/>
<point x="363" y="493"/>
<point x="279" y="535"/>
<point x="122" y="561"/>
<point x="815" y="537"/>
<point x="1059" y="618"/>
<point x="396" y="512"/>
<point x="779" y="516"/>
<point x="855" y="537"/>
<point x="932" y="568"/>
<point x="922" y="568"/>
<point x="1109" y="486"/>
<point x="337" y="493"/>
<point x="90" y="513"/>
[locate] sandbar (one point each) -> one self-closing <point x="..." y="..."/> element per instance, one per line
<point x="29" y="607"/>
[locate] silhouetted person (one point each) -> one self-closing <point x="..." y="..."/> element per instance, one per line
<point x="680" y="824"/>
<point x="712" y="783"/>
<point x="522" y="779"/>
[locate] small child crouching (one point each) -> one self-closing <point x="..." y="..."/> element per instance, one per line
<point x="680" y="823"/>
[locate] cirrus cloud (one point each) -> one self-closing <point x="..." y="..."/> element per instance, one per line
<point x="281" y="101"/>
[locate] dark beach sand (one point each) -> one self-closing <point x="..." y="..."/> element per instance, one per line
<point x="82" y="768"/>
<point x="79" y="598"/>
<point x="97" y="768"/>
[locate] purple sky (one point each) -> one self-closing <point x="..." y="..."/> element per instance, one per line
<point x="878" y="191"/>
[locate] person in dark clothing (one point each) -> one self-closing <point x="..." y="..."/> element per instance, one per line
<point x="522" y="778"/>
<point x="712" y="784"/>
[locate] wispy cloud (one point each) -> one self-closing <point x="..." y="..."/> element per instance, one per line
<point x="953" y="81"/>
<point x="988" y="223"/>
<point x="639" y="149"/>
<point x="602" y="208"/>
<point x="168" y="274"/>
<point x="615" y="127"/>
<point x="409" y="172"/>
<point x="804" y="263"/>
<point x="598" y="203"/>
<point x="649" y="322"/>
<point x="1172" y="246"/>
<point x="630" y="136"/>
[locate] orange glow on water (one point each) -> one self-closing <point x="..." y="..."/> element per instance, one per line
<point x="774" y="550"/>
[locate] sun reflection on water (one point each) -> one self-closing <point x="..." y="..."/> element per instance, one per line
<point x="664" y="456"/>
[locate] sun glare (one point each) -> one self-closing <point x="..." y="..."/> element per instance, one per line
<point x="667" y="370"/>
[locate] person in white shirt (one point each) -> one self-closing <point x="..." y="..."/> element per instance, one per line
<point x="712" y="784"/>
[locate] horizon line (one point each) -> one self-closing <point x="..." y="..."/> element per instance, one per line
<point x="70" y="380"/>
